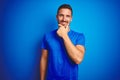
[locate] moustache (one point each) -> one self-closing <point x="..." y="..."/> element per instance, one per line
<point x="64" y="21"/>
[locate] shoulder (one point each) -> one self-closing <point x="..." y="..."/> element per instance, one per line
<point x="50" y="34"/>
<point x="79" y="37"/>
<point x="72" y="32"/>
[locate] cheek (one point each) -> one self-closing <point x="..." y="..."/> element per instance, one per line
<point x="59" y="19"/>
<point x="69" y="21"/>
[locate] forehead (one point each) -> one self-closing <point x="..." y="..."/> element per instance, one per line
<point x="65" y="11"/>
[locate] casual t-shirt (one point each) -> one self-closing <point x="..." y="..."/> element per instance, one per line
<point x="60" y="66"/>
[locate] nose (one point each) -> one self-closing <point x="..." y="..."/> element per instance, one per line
<point x="64" y="18"/>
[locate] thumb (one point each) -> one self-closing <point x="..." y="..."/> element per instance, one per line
<point x="67" y="27"/>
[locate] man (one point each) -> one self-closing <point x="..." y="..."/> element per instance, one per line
<point x="62" y="49"/>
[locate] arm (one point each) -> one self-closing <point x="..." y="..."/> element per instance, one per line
<point x="76" y="53"/>
<point x="43" y="64"/>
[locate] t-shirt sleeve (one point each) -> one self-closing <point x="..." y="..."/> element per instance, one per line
<point x="81" y="40"/>
<point x="44" y="43"/>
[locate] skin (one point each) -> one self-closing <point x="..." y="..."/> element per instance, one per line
<point x="76" y="53"/>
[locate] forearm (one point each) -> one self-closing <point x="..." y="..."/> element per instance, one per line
<point x="74" y="53"/>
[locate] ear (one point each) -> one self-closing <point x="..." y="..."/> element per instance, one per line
<point x="71" y="18"/>
<point x="57" y="17"/>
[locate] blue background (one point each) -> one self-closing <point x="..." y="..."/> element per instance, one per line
<point x="23" y="24"/>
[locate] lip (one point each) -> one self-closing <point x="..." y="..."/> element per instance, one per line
<point x="64" y="22"/>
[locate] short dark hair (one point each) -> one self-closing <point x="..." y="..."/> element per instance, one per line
<point x="67" y="6"/>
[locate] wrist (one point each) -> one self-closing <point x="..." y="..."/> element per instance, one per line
<point x="65" y="37"/>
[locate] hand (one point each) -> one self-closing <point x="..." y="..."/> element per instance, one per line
<point x="62" y="31"/>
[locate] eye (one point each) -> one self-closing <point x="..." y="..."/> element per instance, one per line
<point x="60" y="15"/>
<point x="68" y="16"/>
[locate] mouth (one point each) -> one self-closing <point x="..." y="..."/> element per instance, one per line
<point x="64" y="23"/>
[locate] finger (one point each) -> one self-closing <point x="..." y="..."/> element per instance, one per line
<point x="67" y="26"/>
<point x="60" y="25"/>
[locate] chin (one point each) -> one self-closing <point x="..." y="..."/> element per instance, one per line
<point x="64" y="25"/>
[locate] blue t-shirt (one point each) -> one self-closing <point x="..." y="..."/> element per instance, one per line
<point x="60" y="66"/>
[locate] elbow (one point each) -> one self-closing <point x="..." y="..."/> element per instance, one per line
<point x="78" y="61"/>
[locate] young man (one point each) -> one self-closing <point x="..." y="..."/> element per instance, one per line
<point x="62" y="49"/>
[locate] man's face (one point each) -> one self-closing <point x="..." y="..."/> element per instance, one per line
<point x="64" y="17"/>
